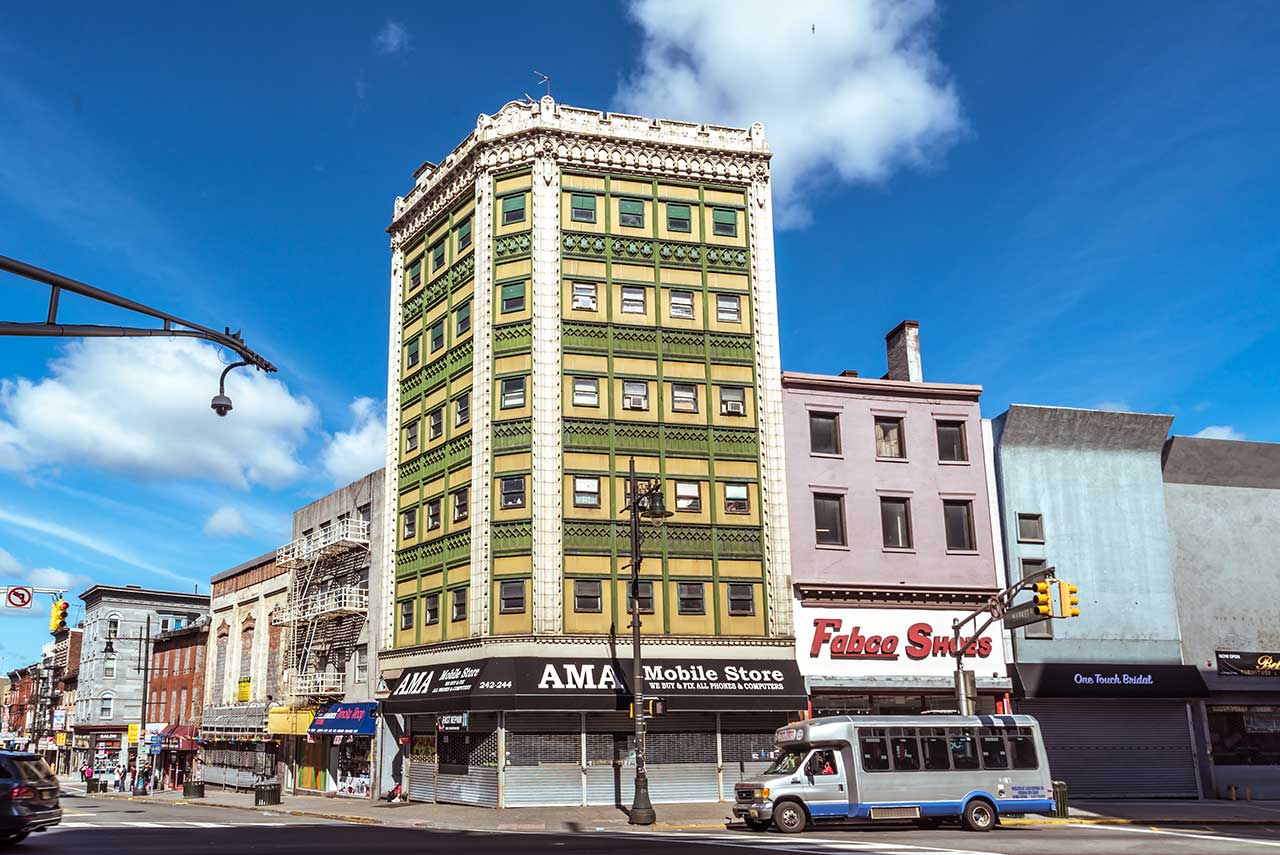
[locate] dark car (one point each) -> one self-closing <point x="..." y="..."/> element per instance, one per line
<point x="28" y="796"/>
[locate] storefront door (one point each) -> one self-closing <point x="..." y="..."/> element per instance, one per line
<point x="311" y="765"/>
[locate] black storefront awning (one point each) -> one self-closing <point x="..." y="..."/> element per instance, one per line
<point x="597" y="684"/>
<point x="1106" y="680"/>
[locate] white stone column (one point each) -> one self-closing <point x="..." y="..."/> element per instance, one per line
<point x="481" y="404"/>
<point x="385" y="617"/>
<point x="546" y="490"/>
<point x="773" y="474"/>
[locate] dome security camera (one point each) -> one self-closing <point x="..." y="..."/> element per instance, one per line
<point x="221" y="404"/>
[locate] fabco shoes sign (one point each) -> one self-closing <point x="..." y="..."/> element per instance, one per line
<point x="863" y="642"/>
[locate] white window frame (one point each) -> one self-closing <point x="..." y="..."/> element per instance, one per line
<point x="584" y="297"/>
<point x="586" y="491"/>
<point x="633" y="295"/>
<point x="586" y="391"/>
<point x="409" y="523"/>
<point x="729" y="308"/>
<point x="461" y="509"/>
<point x="503" y="493"/>
<point x="435" y="423"/>
<point x="434" y="517"/>
<point x="684" y="398"/>
<point x="730" y="502"/>
<point x="109" y="666"/>
<point x="731" y="395"/>
<point x="684" y="300"/>
<point x="411" y="436"/>
<point x="461" y="409"/>
<point x="107" y="707"/>
<point x="689" y="497"/>
<point x="628" y="397"/>
<point x="513" y="395"/>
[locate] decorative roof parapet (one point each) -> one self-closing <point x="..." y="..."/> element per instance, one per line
<point x="586" y="139"/>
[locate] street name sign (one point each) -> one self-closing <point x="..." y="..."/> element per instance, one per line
<point x="1022" y="615"/>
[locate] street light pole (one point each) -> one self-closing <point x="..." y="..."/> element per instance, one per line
<point x="144" y="662"/>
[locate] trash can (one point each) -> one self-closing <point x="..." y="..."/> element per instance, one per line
<point x="95" y="785"/>
<point x="266" y="794"/>
<point x="1060" y="800"/>
<point x="193" y="790"/>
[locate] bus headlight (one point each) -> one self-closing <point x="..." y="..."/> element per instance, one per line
<point x="763" y="793"/>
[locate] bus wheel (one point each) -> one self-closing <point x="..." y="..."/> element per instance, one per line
<point x="979" y="815"/>
<point x="789" y="817"/>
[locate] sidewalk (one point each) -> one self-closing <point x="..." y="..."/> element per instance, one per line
<point x="674" y="817"/>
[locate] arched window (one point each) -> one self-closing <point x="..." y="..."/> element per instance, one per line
<point x="106" y="706"/>
<point x="109" y="665"/>
<point x="113" y="625"/>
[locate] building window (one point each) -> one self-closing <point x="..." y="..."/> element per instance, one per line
<point x="458" y="604"/>
<point x="895" y="522"/>
<point x="958" y="518"/>
<point x="631" y="213"/>
<point x="692" y="600"/>
<point x="736" y="499"/>
<point x="106" y="707"/>
<point x="632" y="300"/>
<point x="682" y="304"/>
<point x="431" y="609"/>
<point x="635" y="395"/>
<point x="464" y="234"/>
<point x="361" y="655"/>
<point x="411" y="436"/>
<point x="889" y="438"/>
<point x="584" y="296"/>
<point x="582" y="208"/>
<point x="1043" y="629"/>
<point x="461" y="504"/>
<point x="951" y="444"/>
<point x="684" y="398"/>
<point x="409" y="523"/>
<point x="513" y="298"/>
<point x="437" y="256"/>
<point x="512" y="393"/>
<point x="511" y="596"/>
<point x="729" y="308"/>
<point x="824" y="433"/>
<point x="724" y="222"/>
<point x="415" y="275"/>
<point x="412" y="352"/>
<point x="435" y="423"/>
<point x="113" y="627"/>
<point x="462" y="319"/>
<point x="513" y="492"/>
<point x="733" y="401"/>
<point x="433" y="514"/>
<point x="437" y="336"/>
<point x="109" y="665"/>
<point x="513" y="209"/>
<point x="406" y="614"/>
<point x="678" y="218"/>
<point x="462" y="409"/>
<point x="645" y="590"/>
<point x="1030" y="528"/>
<point x="586" y="492"/>
<point x="742" y="600"/>
<point x="828" y="519"/>
<point x="689" y="496"/>
<point x="587" y="596"/>
<point x="586" y="391"/>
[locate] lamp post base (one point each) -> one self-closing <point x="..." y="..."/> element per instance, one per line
<point x="641" y="812"/>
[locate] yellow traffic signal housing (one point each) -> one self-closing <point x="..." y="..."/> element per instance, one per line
<point x="652" y="707"/>
<point x="1068" y="602"/>
<point x="58" y="615"/>
<point x="1043" y="599"/>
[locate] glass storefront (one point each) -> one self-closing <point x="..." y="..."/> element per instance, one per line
<point x="1245" y="735"/>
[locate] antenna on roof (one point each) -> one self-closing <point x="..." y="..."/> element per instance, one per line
<point x="543" y="78"/>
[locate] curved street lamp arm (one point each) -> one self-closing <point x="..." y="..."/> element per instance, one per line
<point x="59" y="283"/>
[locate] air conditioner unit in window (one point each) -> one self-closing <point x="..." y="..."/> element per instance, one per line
<point x="733" y="408"/>
<point x="588" y="303"/>
<point x="635" y="402"/>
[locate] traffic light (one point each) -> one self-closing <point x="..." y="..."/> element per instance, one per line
<point x="1044" y="599"/>
<point x="58" y="615"/>
<point x="1068" y="602"/>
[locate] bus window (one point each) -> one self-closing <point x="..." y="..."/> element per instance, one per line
<point x="964" y="749"/>
<point x="906" y="751"/>
<point x="875" y="750"/>
<point x="994" y="754"/>
<point x="1022" y="749"/>
<point x="934" y="750"/>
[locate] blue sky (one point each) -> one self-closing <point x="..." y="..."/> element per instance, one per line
<point x="1079" y="209"/>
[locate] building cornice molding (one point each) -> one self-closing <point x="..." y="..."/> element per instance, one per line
<point x="581" y="139"/>
<point x="793" y="380"/>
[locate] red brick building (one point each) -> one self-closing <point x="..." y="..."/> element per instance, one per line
<point x="175" y="695"/>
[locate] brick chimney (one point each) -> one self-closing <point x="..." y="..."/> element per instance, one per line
<point x="902" y="345"/>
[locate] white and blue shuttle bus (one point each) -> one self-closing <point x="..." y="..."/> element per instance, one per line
<point x="927" y="768"/>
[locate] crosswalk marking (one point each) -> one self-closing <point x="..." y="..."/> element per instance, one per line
<point x="808" y="845"/>
<point x="80" y="823"/>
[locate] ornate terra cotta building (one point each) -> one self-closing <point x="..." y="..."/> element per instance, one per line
<point x="570" y="290"/>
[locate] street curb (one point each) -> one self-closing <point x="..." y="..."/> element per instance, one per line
<point x="341" y="817"/>
<point x="1116" y="821"/>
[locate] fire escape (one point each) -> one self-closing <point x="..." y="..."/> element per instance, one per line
<point x="327" y="606"/>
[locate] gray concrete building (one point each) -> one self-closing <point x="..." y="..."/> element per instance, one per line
<point x="1223" y="503"/>
<point x="1082" y="491"/>
<point x="109" y="696"/>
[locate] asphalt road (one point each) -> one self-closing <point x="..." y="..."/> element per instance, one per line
<point x="103" y="825"/>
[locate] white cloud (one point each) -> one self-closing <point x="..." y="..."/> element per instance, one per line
<point x="52" y="577"/>
<point x="141" y="407"/>
<point x="356" y="452"/>
<point x="850" y="90"/>
<point x="1220" y="432"/>
<point x="8" y="564"/>
<point x="226" y="522"/>
<point x="1113" y="406"/>
<point x="392" y="39"/>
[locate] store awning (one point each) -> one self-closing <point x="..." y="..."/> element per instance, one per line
<point x="239" y="721"/>
<point x="598" y="684"/>
<point x="1086" y="680"/>
<point x="345" y="720"/>
<point x="289" y="721"/>
<point x="180" y="737"/>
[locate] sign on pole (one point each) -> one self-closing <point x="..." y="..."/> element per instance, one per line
<point x="1022" y="615"/>
<point x="19" y="597"/>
